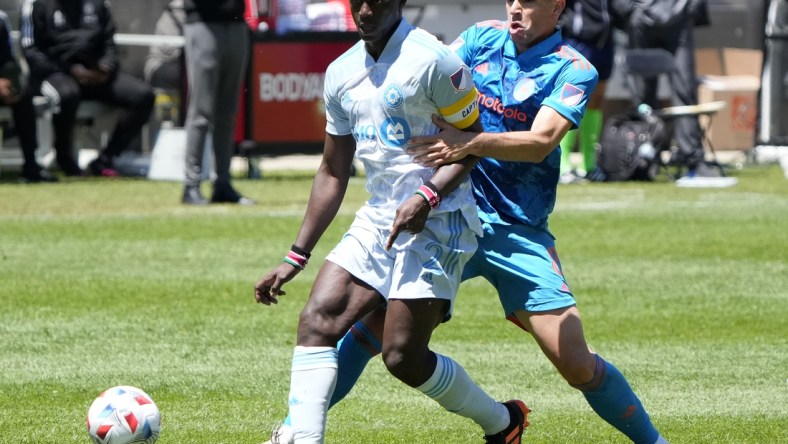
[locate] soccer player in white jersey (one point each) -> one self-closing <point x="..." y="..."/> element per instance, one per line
<point x="408" y="244"/>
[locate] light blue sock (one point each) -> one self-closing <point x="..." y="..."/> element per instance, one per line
<point x="355" y="350"/>
<point x="615" y="402"/>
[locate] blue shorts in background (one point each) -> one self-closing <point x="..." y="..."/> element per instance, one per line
<point x="602" y="58"/>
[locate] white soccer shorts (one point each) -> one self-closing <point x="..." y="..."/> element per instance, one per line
<point x="425" y="265"/>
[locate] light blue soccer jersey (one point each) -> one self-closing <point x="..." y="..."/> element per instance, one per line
<point x="385" y="102"/>
<point x="512" y="89"/>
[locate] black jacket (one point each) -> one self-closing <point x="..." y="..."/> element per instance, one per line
<point x="9" y="66"/>
<point x="6" y="51"/>
<point x="587" y="20"/>
<point x="663" y="14"/>
<point x="57" y="34"/>
<point x="214" y="10"/>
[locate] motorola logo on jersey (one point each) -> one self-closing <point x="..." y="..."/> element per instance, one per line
<point x="395" y="131"/>
<point x="393" y="97"/>
<point x="494" y="104"/>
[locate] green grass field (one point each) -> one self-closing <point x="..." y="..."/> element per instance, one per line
<point x="113" y="282"/>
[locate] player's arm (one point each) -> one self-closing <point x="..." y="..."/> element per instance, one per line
<point x="451" y="144"/>
<point x="328" y="191"/>
<point x="413" y="213"/>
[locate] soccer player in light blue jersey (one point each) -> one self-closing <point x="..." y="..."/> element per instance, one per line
<point x="533" y="88"/>
<point x="409" y="242"/>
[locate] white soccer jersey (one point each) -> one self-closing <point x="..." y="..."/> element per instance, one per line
<point x="384" y="103"/>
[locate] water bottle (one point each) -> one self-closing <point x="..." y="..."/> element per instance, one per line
<point x="647" y="112"/>
<point x="646" y="150"/>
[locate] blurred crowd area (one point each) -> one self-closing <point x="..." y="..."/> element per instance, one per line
<point x="735" y="23"/>
<point x="131" y="17"/>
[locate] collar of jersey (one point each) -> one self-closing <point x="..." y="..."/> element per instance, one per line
<point x="403" y="29"/>
<point x="544" y="47"/>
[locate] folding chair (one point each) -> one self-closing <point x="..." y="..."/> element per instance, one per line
<point x="653" y="62"/>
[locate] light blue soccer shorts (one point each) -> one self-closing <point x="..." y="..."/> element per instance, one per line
<point x="521" y="262"/>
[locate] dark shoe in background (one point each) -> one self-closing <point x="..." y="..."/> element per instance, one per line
<point x="103" y="166"/>
<point x="227" y="194"/>
<point x="193" y="196"/>
<point x="70" y="168"/>
<point x="36" y="175"/>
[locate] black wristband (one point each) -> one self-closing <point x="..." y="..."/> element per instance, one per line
<point x="432" y="186"/>
<point x="296" y="249"/>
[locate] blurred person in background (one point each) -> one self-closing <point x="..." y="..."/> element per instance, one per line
<point x="164" y="65"/>
<point x="14" y="94"/>
<point x="587" y="27"/>
<point x="331" y="15"/>
<point x="669" y="24"/>
<point x="292" y="16"/>
<point x="217" y="43"/>
<point x="70" y="49"/>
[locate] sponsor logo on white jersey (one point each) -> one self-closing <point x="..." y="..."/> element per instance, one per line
<point x="395" y="131"/>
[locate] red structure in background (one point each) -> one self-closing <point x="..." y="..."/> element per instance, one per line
<point x="261" y="12"/>
<point x="282" y="109"/>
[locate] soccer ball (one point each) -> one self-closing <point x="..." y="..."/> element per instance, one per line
<point x="124" y="415"/>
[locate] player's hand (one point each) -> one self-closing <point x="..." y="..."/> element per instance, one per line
<point x="8" y="96"/>
<point x="449" y="145"/>
<point x="88" y="76"/>
<point x="269" y="287"/>
<point x="99" y="76"/>
<point x="411" y="217"/>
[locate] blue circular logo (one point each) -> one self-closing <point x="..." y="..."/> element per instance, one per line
<point x="395" y="132"/>
<point x="393" y="97"/>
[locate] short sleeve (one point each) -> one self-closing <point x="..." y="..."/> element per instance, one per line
<point x="573" y="86"/>
<point x="337" y="120"/>
<point x="453" y="91"/>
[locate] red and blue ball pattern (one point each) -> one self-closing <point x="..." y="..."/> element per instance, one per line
<point x="124" y="415"/>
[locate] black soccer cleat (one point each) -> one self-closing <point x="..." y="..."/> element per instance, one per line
<point x="513" y="434"/>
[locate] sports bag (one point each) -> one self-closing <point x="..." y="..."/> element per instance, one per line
<point x="630" y="146"/>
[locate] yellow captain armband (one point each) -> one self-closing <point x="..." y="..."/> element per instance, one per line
<point x="464" y="112"/>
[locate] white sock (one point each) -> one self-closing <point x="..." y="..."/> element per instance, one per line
<point x="454" y="390"/>
<point x="312" y="380"/>
<point x="661" y="440"/>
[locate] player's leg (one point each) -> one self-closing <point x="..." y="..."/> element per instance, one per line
<point x="559" y="334"/>
<point x="360" y="344"/>
<point x="406" y="353"/>
<point x="425" y="281"/>
<point x="338" y="299"/>
<point x="540" y="301"/>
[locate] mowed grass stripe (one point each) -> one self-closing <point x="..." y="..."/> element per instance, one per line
<point x="114" y="282"/>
